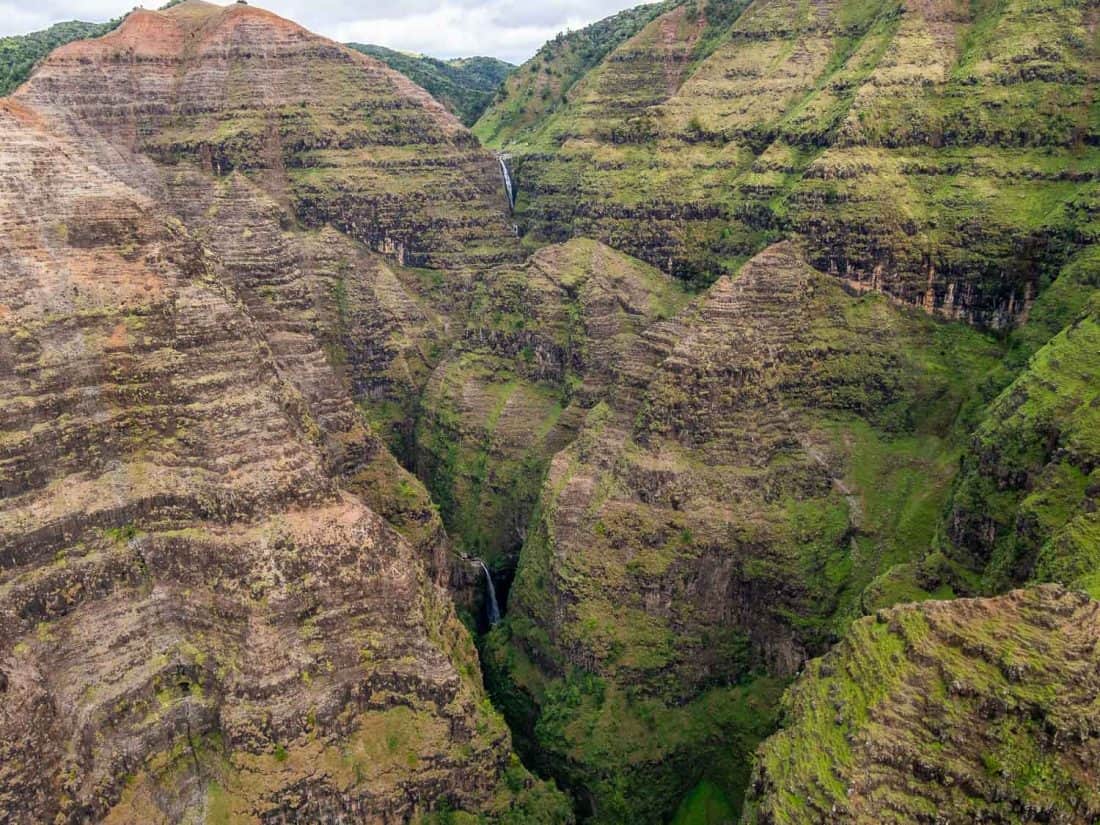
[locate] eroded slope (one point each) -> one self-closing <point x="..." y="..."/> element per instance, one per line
<point x="978" y="710"/>
<point x="938" y="152"/>
<point x="208" y="609"/>
<point x="189" y="598"/>
<point x="770" y="462"/>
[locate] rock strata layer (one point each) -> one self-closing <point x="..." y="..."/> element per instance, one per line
<point x="942" y="155"/>
<point x="982" y="710"/>
<point x="220" y="594"/>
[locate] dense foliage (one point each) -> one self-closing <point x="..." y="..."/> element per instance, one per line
<point x="466" y="86"/>
<point x="542" y="84"/>
<point x="19" y="54"/>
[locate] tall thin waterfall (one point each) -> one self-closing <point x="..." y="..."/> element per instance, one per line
<point x="507" y="182"/>
<point x="494" y="608"/>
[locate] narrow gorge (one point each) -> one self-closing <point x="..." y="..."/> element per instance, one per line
<point x="707" y="434"/>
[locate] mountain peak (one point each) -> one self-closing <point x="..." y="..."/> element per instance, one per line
<point x="170" y="31"/>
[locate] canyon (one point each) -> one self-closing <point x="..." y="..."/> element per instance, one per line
<point x="707" y="434"/>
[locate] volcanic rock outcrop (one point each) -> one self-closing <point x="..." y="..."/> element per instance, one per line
<point x="334" y="136"/>
<point x="937" y="153"/>
<point x="781" y="457"/>
<point x="979" y="710"/>
<point x="205" y="611"/>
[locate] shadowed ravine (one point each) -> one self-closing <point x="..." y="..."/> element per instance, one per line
<point x="739" y="465"/>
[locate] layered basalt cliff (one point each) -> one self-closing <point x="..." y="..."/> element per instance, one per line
<point x="527" y="97"/>
<point x="781" y="457"/>
<point x="20" y="53"/>
<point x="192" y="606"/>
<point x="222" y="597"/>
<point x="539" y="349"/>
<point x="929" y="151"/>
<point x="335" y="136"/>
<point x="299" y="163"/>
<point x="769" y="463"/>
<point x="971" y="710"/>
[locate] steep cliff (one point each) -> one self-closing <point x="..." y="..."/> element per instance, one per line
<point x="222" y="597"/>
<point x="937" y="152"/>
<point x="190" y="600"/>
<point x="780" y="458"/>
<point x="542" y="84"/>
<point x="466" y="85"/>
<point x="971" y="711"/>
<point x="1025" y="506"/>
<point x="769" y="463"/>
<point x="299" y="162"/>
<point x="538" y="350"/>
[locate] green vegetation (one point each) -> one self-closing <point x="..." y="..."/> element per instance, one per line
<point x="823" y="498"/>
<point x="1024" y="508"/>
<point x="20" y="54"/>
<point x="807" y="347"/>
<point x="542" y="84"/>
<point x="948" y="178"/>
<point x="912" y="686"/>
<point x="705" y="804"/>
<point x="538" y="348"/>
<point x="466" y="86"/>
<point x="627" y="756"/>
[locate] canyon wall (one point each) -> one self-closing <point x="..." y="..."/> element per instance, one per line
<point x="222" y="596"/>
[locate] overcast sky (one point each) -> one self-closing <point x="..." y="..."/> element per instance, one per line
<point x="509" y="29"/>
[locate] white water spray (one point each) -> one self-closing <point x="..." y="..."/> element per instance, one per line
<point x="494" y="608"/>
<point x="507" y="182"/>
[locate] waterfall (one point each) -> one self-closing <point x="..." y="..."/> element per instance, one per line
<point x="507" y="182"/>
<point x="494" y="608"/>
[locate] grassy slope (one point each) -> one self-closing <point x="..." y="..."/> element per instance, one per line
<point x="541" y="85"/>
<point x="466" y="86"/>
<point x="936" y="156"/>
<point x="886" y="141"/>
<point x="943" y="155"/>
<point x="18" y="55"/>
<point x="898" y="723"/>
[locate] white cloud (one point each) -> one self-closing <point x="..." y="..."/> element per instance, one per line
<point x="510" y="29"/>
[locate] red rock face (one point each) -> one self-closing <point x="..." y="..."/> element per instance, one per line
<point x="198" y="607"/>
<point x="333" y="135"/>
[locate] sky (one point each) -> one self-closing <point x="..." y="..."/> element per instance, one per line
<point x="512" y="30"/>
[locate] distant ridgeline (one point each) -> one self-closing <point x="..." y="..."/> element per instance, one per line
<point x="18" y="55"/>
<point x="466" y="86"/>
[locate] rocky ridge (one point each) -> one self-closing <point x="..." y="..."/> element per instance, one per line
<point x="206" y="608"/>
<point x="539" y="349"/>
<point x="941" y="155"/>
<point x="768" y="465"/>
<point x="981" y="710"/>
